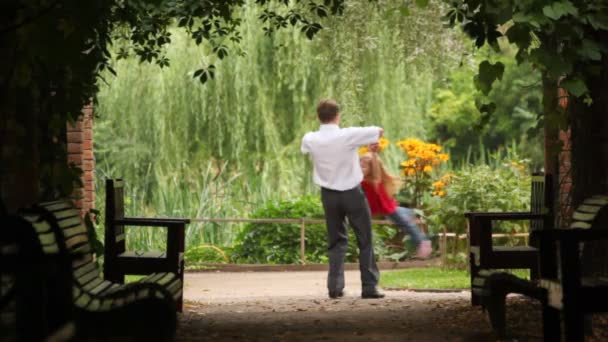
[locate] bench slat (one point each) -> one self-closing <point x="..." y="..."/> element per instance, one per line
<point x="76" y="240"/>
<point x="67" y="213"/>
<point x="586" y="208"/>
<point x="56" y="206"/>
<point x="102" y="286"/>
<point x="140" y="254"/>
<point x="78" y="272"/>
<point x="600" y="200"/>
<point x="47" y="239"/>
<point x="92" y="285"/>
<point x="154" y="277"/>
<point x="580" y="216"/>
<point x="42" y="227"/>
<point x="68" y="233"/>
<point x="69" y="222"/>
<point x="581" y="225"/>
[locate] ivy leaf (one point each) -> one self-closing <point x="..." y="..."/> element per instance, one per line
<point x="590" y="49"/>
<point x="221" y="51"/>
<point x="574" y="86"/>
<point x="311" y="29"/>
<point x="488" y="73"/>
<point x="492" y="38"/>
<point x="519" y="35"/>
<point x="597" y="21"/>
<point x="559" y="9"/>
<point x="476" y="30"/>
<point x="555" y="65"/>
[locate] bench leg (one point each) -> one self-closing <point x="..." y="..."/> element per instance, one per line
<point x="574" y="325"/>
<point x="115" y="277"/>
<point x="180" y="274"/>
<point x="474" y="270"/>
<point x="551" y="323"/>
<point x="495" y="304"/>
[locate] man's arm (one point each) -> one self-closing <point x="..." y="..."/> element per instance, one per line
<point x="358" y="136"/>
<point x="375" y="147"/>
<point x="305" y="147"/>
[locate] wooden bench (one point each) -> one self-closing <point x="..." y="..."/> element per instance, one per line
<point x="484" y="256"/>
<point x="143" y="310"/>
<point x="566" y="296"/>
<point x="118" y="261"/>
<point x="35" y="283"/>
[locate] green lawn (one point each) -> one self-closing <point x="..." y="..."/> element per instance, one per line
<point x="430" y="278"/>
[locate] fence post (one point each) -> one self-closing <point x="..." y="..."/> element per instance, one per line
<point x="303" y="241"/>
<point x="443" y="241"/>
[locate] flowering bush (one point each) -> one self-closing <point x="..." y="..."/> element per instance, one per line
<point x="439" y="187"/>
<point x="419" y="170"/>
<point x="504" y="186"/>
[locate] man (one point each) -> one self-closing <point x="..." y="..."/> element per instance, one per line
<point x="337" y="172"/>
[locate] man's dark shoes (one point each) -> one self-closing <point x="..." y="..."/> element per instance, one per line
<point x="372" y="294"/>
<point x="333" y="294"/>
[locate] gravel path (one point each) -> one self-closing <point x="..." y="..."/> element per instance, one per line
<point x="293" y="306"/>
<point x="220" y="287"/>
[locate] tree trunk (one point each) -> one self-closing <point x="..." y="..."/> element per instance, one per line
<point x="589" y="125"/>
<point x="551" y="137"/>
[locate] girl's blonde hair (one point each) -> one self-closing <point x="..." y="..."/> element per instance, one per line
<point x="378" y="174"/>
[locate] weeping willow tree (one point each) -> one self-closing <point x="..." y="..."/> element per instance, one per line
<point x="225" y="147"/>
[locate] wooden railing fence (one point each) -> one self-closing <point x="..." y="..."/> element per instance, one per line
<point x="443" y="236"/>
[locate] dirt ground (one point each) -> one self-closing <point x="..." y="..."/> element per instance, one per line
<point x="293" y="306"/>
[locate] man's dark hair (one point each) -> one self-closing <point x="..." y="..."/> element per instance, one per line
<point x="327" y="110"/>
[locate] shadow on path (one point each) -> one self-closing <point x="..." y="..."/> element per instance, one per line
<point x="293" y="306"/>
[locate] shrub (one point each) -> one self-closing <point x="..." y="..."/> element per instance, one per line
<point x="279" y="243"/>
<point x="505" y="187"/>
<point x="206" y="254"/>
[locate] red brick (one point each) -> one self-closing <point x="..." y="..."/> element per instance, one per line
<point x="88" y="165"/>
<point x="89" y="196"/>
<point x="88" y="177"/>
<point x="88" y="134"/>
<point x="76" y="127"/>
<point x="87" y="155"/>
<point x="75" y="158"/>
<point x="89" y="186"/>
<point x="87" y="145"/>
<point x="74" y="148"/>
<point x="88" y="123"/>
<point x="75" y="137"/>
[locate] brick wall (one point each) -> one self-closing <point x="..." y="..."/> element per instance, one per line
<point x="80" y="152"/>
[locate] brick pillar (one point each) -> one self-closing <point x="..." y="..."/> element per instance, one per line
<point x="565" y="175"/>
<point x="565" y="179"/>
<point x="80" y="152"/>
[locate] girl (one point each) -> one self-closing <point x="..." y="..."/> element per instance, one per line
<point x="379" y="187"/>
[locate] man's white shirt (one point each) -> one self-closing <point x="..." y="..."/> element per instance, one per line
<point x="334" y="154"/>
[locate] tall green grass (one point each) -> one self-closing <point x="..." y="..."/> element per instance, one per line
<point x="224" y="148"/>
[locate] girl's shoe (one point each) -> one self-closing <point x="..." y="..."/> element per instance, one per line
<point x="424" y="249"/>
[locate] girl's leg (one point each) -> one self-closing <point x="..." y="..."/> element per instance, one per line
<point x="404" y="219"/>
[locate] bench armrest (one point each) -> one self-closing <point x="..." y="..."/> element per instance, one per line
<point x="504" y="216"/>
<point x="151" y="222"/>
<point x="574" y="234"/>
